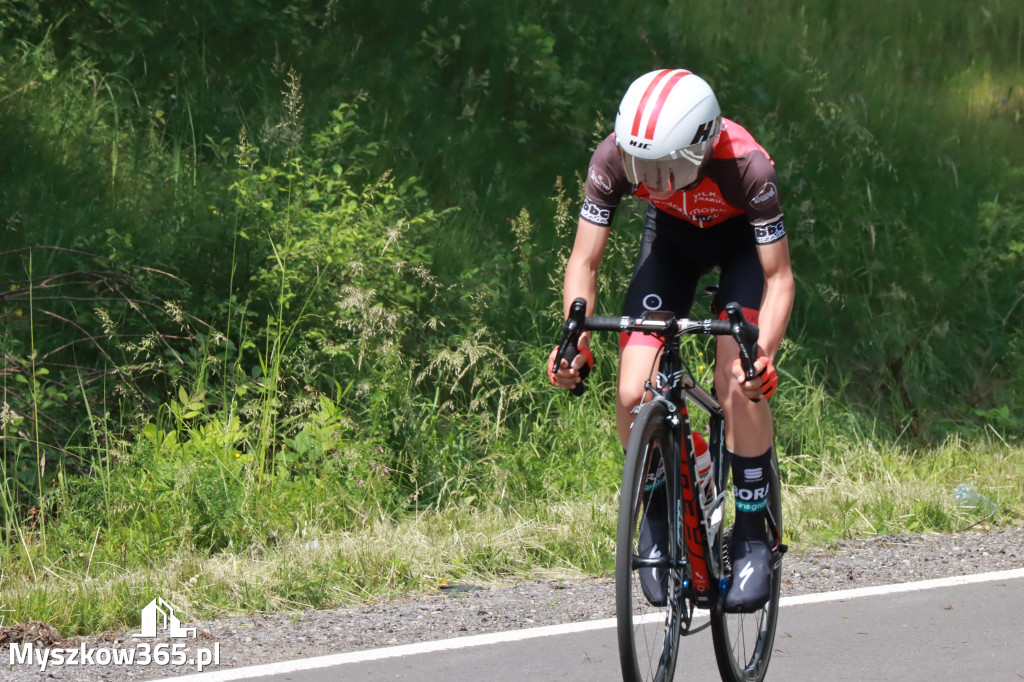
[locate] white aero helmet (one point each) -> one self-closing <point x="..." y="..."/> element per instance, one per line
<point x="666" y="127"/>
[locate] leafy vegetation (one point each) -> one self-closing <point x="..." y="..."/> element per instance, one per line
<point x="277" y="280"/>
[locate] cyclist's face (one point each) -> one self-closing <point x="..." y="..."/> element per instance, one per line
<point x="665" y="194"/>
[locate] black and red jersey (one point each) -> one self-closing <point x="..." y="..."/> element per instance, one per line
<point x="739" y="180"/>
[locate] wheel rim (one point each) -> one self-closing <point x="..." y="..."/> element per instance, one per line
<point x="648" y="634"/>
<point x="746" y="635"/>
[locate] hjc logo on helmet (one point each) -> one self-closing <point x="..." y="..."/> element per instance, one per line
<point x="640" y="145"/>
<point x="703" y="132"/>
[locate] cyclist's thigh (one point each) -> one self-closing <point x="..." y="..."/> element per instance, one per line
<point x="666" y="271"/>
<point x="636" y="362"/>
<point x="742" y="278"/>
<point x="748" y="425"/>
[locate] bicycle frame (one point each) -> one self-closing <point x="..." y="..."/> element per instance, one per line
<point x="695" y="523"/>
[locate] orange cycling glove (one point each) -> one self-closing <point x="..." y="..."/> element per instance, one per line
<point x="584" y="370"/>
<point x="769" y="377"/>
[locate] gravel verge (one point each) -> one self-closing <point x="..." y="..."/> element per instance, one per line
<point x="466" y="610"/>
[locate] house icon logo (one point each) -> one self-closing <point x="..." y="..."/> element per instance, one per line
<point x="160" y="613"/>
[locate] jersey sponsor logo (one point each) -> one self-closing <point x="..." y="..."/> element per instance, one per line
<point x="701" y="219"/>
<point x="697" y="207"/>
<point x="593" y="213"/>
<point x="600" y="180"/>
<point x="772" y="232"/>
<point x="707" y="198"/>
<point x="767" y="192"/>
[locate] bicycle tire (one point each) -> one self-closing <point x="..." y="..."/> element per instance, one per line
<point x="743" y="642"/>
<point x="648" y="634"/>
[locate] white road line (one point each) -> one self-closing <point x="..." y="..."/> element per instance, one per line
<point x="880" y="590"/>
<point x="332" y="660"/>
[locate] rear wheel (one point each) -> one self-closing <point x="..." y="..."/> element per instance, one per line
<point x="648" y="632"/>
<point x="743" y="641"/>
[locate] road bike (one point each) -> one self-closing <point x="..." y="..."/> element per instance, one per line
<point x="692" y="503"/>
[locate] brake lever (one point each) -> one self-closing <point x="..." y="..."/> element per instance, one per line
<point x="568" y="347"/>
<point x="746" y="334"/>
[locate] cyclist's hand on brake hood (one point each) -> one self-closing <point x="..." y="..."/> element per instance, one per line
<point x="570" y="374"/>
<point x="765" y="380"/>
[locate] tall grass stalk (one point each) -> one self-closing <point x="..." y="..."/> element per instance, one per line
<point x="41" y="510"/>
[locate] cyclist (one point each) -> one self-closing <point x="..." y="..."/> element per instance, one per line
<point x="713" y="202"/>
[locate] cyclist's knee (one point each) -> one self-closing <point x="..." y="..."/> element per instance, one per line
<point x="635" y="365"/>
<point x="630" y="394"/>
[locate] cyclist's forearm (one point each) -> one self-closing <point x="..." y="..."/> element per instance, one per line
<point x="777" y="301"/>
<point x="581" y="270"/>
<point x="775" y="311"/>
<point x="580" y="282"/>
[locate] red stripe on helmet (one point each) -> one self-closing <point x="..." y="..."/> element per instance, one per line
<point x="662" y="96"/>
<point x="643" y="100"/>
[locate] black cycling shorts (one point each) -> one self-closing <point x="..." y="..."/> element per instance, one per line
<point x="675" y="254"/>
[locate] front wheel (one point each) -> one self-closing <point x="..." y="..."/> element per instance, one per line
<point x="646" y="573"/>
<point x="743" y="641"/>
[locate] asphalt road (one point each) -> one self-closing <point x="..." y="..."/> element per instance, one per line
<point x="925" y="631"/>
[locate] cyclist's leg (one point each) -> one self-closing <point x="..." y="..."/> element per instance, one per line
<point x="748" y="436"/>
<point x="635" y="363"/>
<point x="748" y="425"/>
<point x="665" y="278"/>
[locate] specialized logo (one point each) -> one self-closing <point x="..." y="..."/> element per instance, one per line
<point x="674" y="76"/>
<point x="655" y="554"/>
<point x="745" y="574"/>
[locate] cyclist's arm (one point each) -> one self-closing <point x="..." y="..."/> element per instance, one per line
<point x="777" y="300"/>
<point x="581" y="270"/>
<point x="580" y="282"/>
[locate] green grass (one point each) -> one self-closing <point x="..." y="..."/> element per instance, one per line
<point x="83" y="584"/>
